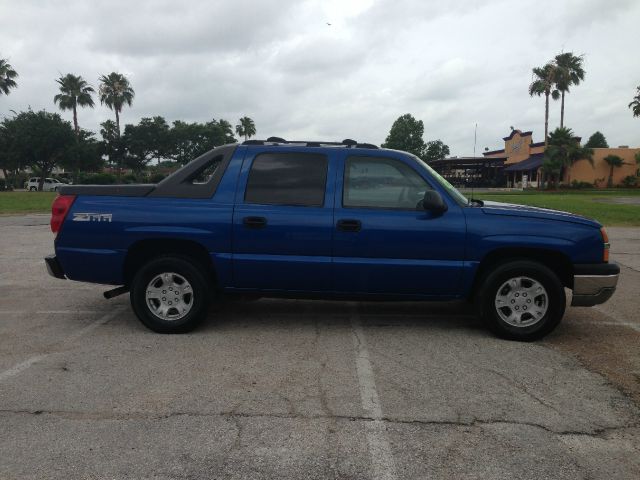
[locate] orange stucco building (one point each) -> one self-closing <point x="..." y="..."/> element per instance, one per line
<point x="523" y="159"/>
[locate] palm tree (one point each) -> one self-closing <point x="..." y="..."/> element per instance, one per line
<point x="569" y="72"/>
<point x="74" y="92"/>
<point x="563" y="151"/>
<point x="544" y="79"/>
<point x="246" y="128"/>
<point x="115" y="92"/>
<point x="635" y="104"/>
<point x="7" y="76"/>
<point x="614" y="161"/>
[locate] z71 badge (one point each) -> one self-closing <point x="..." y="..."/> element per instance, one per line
<point x="92" y="217"/>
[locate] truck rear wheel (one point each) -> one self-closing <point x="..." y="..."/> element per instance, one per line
<point x="170" y="294"/>
<point x="521" y="300"/>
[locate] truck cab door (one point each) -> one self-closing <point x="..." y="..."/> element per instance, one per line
<point x="384" y="241"/>
<point x="283" y="220"/>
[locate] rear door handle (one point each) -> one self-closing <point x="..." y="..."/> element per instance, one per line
<point x="349" y="225"/>
<point x="254" y="222"/>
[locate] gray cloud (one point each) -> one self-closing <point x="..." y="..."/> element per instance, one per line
<point x="450" y="64"/>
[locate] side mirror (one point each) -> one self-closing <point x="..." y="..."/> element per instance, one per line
<point x="433" y="202"/>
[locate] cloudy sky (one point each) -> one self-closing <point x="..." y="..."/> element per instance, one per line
<point x="449" y="63"/>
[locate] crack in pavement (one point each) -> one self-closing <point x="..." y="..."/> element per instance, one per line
<point x="522" y="388"/>
<point x="596" y="432"/>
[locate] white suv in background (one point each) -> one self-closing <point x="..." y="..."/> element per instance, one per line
<point x="49" y="185"/>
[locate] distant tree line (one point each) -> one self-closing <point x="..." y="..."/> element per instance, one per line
<point x="43" y="140"/>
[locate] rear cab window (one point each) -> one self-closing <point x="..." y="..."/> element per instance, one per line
<point x="295" y="179"/>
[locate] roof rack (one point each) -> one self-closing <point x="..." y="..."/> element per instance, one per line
<point x="347" y="142"/>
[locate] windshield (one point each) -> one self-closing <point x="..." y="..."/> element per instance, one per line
<point x="453" y="191"/>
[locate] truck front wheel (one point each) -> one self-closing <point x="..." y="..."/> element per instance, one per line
<point x="170" y="294"/>
<point x="521" y="300"/>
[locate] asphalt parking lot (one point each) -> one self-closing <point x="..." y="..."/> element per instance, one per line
<point x="302" y="389"/>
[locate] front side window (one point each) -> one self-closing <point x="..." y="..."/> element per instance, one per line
<point x="287" y="179"/>
<point x="374" y="182"/>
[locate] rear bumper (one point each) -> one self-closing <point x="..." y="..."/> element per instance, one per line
<point x="53" y="267"/>
<point x="594" y="284"/>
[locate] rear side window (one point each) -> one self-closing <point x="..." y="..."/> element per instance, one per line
<point x="287" y="179"/>
<point x="206" y="172"/>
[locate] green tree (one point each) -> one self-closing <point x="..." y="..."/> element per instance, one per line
<point x="74" y="92"/>
<point x="635" y="103"/>
<point x="85" y="155"/>
<point x="406" y="134"/>
<point x="614" y="161"/>
<point x="7" y="77"/>
<point x="544" y="80"/>
<point x="435" y="150"/>
<point x="597" y="140"/>
<point x="189" y="141"/>
<point x="10" y="162"/>
<point x="146" y="141"/>
<point x="41" y="139"/>
<point x="222" y="132"/>
<point x="562" y="152"/>
<point x="111" y="144"/>
<point x="115" y="92"/>
<point x="246" y="128"/>
<point x="569" y="72"/>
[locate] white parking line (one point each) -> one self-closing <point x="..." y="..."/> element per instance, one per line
<point x="16" y="369"/>
<point x="616" y="322"/>
<point x="382" y="462"/>
<point x="22" y="366"/>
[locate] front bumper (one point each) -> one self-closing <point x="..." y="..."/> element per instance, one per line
<point x="594" y="284"/>
<point x="53" y="266"/>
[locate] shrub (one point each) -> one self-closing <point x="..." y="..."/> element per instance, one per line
<point x="630" y="181"/>
<point x="130" y="178"/>
<point x="580" y="185"/>
<point x="156" y="178"/>
<point x="98" y="179"/>
<point x="3" y="184"/>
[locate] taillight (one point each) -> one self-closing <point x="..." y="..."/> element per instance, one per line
<point x="59" y="209"/>
<point x="606" y="245"/>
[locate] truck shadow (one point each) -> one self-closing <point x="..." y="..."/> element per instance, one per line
<point x="278" y="313"/>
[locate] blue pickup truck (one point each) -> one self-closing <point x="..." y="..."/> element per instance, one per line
<point x="325" y="220"/>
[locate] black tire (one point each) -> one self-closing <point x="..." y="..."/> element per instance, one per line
<point x="199" y="301"/>
<point x="33" y="189"/>
<point x="496" y="278"/>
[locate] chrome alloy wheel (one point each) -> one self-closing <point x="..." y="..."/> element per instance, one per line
<point x="169" y="296"/>
<point x="521" y="301"/>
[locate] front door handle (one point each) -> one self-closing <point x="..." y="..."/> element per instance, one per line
<point x="349" y="225"/>
<point x="254" y="222"/>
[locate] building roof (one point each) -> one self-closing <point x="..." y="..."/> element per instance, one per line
<point x="522" y="134"/>
<point x="493" y="152"/>
<point x="465" y="161"/>
<point x="531" y="163"/>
